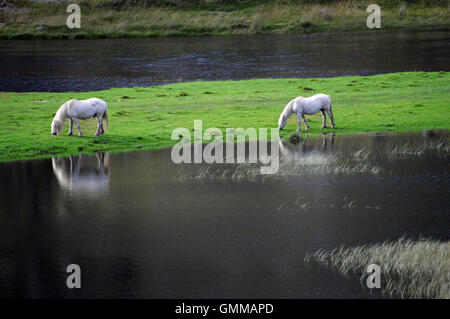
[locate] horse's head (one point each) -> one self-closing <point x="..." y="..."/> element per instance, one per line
<point x="287" y="112"/>
<point x="282" y="121"/>
<point x="56" y="127"/>
<point x="59" y="120"/>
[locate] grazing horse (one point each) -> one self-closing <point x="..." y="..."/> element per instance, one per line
<point x="309" y="106"/>
<point x="80" y="110"/>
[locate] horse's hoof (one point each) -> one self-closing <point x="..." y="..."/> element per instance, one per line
<point x="80" y="135"/>
<point x="323" y="126"/>
<point x="69" y="134"/>
<point x="307" y="128"/>
<point x="333" y="127"/>
<point x="299" y="130"/>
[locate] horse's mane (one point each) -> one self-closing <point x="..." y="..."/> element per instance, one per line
<point x="289" y="109"/>
<point x="61" y="114"/>
<point x="60" y="117"/>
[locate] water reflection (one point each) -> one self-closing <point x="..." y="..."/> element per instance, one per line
<point x="371" y="155"/>
<point x="150" y="235"/>
<point x="83" y="174"/>
<point x="297" y="146"/>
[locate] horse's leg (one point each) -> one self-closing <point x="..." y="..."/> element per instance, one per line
<point x="305" y="142"/>
<point x="99" y="131"/>
<point x="78" y="127"/>
<point x="71" y="164"/>
<point x="106" y="161"/>
<point x="324" y="142"/>
<point x="70" y="127"/>
<point x="332" y="140"/>
<point x="306" y="123"/>
<point x="324" y="119"/>
<point x="299" y="123"/>
<point x="330" y="114"/>
<point x="100" y="159"/>
<point x="80" y="159"/>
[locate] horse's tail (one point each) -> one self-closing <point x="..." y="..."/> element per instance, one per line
<point x="105" y="118"/>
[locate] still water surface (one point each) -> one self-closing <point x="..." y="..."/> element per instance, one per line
<point x="142" y="226"/>
<point x="87" y="65"/>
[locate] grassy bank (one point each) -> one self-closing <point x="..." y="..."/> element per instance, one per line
<point x="142" y="18"/>
<point x="143" y="118"/>
<point x="409" y="269"/>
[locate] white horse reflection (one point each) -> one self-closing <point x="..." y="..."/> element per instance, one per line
<point x="292" y="151"/>
<point x="82" y="174"/>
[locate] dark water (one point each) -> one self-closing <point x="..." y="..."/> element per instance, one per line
<point x="86" y="65"/>
<point x="141" y="226"/>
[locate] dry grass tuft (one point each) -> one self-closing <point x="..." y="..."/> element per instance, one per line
<point x="409" y="269"/>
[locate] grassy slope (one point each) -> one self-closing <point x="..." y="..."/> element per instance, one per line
<point x="145" y="117"/>
<point x="120" y="18"/>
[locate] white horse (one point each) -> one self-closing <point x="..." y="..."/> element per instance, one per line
<point x="80" y="110"/>
<point x="309" y="106"/>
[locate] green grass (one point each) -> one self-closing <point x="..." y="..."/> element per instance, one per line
<point x="409" y="269"/>
<point x="143" y="118"/>
<point x="130" y="18"/>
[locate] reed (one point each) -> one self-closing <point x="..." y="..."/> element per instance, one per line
<point x="409" y="268"/>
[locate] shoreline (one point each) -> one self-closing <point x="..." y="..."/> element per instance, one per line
<point x="144" y="118"/>
<point x="82" y="36"/>
<point x="311" y="138"/>
<point x="40" y="37"/>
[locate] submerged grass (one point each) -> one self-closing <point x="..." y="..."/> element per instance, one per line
<point x="144" y="118"/>
<point x="321" y="156"/>
<point x="409" y="269"/>
<point x="123" y="18"/>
